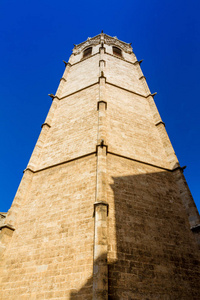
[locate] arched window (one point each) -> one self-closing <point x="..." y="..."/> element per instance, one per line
<point x="87" y="52"/>
<point x="117" y="51"/>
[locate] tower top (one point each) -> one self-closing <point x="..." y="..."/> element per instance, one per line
<point x="102" y="39"/>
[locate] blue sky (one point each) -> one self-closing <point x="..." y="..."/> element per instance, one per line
<point x="35" y="37"/>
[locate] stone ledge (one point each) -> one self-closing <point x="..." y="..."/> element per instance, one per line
<point x="7" y="226"/>
<point x="3" y="214"/>
<point x="107" y="82"/>
<point x="61" y="163"/>
<point x="152" y="95"/>
<point x="53" y="96"/>
<point x="179" y="168"/>
<point x="45" y="124"/>
<point x="67" y="63"/>
<point x="82" y="59"/>
<point x="63" y="79"/>
<point x="138" y="61"/>
<point x="28" y="169"/>
<point x="160" y="122"/>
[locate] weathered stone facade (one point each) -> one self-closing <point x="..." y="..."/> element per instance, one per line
<point x="103" y="210"/>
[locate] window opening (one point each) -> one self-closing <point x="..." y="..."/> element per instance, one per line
<point x="87" y="52"/>
<point x="117" y="51"/>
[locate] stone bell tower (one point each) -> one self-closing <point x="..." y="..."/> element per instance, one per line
<point x="103" y="210"/>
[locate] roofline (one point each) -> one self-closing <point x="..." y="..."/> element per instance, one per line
<point x="102" y="38"/>
<point x="100" y="34"/>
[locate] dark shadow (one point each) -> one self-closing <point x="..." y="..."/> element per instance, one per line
<point x="157" y="256"/>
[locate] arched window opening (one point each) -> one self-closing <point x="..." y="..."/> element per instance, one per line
<point x="87" y="52"/>
<point x="117" y="51"/>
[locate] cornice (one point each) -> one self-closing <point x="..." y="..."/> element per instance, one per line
<point x="107" y="152"/>
<point x="102" y="39"/>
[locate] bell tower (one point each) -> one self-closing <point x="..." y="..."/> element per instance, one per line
<point x="103" y="210"/>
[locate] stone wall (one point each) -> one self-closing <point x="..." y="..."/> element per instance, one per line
<point x="51" y="253"/>
<point x="103" y="145"/>
<point x="152" y="252"/>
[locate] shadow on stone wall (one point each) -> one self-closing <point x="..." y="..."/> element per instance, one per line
<point x="157" y="257"/>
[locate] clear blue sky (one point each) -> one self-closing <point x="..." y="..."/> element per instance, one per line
<point x="35" y="36"/>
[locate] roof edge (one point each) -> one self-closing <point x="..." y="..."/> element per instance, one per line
<point x="102" y="38"/>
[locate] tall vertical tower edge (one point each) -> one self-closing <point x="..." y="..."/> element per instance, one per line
<point x="103" y="210"/>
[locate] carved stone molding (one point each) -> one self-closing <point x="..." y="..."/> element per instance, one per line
<point x="90" y="42"/>
<point x="107" y="40"/>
